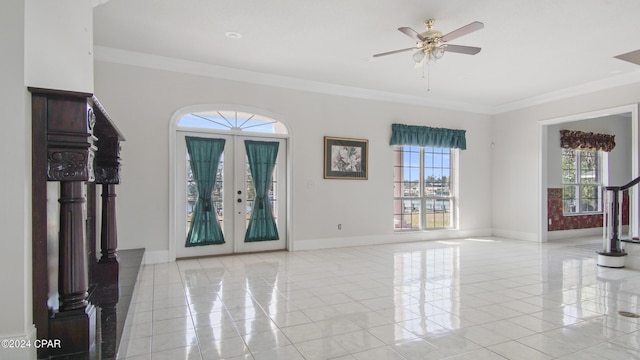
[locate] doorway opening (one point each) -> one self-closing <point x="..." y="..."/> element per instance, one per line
<point x="550" y="169"/>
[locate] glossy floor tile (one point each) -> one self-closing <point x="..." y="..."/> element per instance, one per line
<point x="475" y="298"/>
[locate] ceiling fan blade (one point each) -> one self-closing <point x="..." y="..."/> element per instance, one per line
<point x="467" y="29"/>
<point x="394" y="52"/>
<point x="461" y="49"/>
<point x="411" y="33"/>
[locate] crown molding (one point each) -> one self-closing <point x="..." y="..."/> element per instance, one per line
<point x="126" y="57"/>
<point x="586" y="88"/>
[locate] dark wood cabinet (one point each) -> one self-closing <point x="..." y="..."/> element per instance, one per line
<point x="75" y="147"/>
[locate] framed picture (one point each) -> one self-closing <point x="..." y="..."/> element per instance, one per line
<point x="346" y="158"/>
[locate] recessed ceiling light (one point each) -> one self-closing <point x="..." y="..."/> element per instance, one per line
<point x="233" y="35"/>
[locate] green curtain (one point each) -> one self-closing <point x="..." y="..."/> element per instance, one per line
<point x="427" y="136"/>
<point x="205" y="157"/>
<point x="262" y="159"/>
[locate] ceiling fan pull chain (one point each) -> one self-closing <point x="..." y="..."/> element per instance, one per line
<point x="428" y="76"/>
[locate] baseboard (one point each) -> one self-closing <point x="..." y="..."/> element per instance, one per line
<point x="574" y="233"/>
<point x="162" y="256"/>
<point x="328" y="243"/>
<point x="24" y="346"/>
<point x="516" y="235"/>
<point x="155" y="257"/>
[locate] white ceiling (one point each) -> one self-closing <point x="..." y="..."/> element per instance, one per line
<point x="532" y="50"/>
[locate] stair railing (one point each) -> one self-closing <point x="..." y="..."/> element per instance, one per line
<point x="612" y="218"/>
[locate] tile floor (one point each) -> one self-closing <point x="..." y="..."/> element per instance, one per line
<point x="484" y="298"/>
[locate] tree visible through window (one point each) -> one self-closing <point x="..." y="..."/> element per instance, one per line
<point x="423" y="188"/>
<point x="581" y="181"/>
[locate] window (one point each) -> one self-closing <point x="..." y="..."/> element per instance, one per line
<point x="423" y="188"/>
<point x="581" y="181"/>
<point x="232" y="120"/>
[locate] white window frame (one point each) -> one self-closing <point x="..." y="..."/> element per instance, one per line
<point x="422" y="198"/>
<point x="602" y="181"/>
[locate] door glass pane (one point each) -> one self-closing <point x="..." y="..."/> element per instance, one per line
<point x="273" y="193"/>
<point x="250" y="190"/>
<point x="192" y="194"/>
<point x="218" y="192"/>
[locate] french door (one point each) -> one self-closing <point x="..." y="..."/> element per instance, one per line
<point x="233" y="196"/>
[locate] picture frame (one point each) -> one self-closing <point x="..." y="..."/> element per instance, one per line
<point x="346" y="158"/>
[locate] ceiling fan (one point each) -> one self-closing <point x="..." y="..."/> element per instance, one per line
<point x="431" y="44"/>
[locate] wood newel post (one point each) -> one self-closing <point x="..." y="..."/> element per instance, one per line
<point x="108" y="232"/>
<point x="72" y="272"/>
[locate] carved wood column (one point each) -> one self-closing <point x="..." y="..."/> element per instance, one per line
<point x="108" y="232"/>
<point x="91" y="238"/>
<point x="72" y="271"/>
<point x="108" y="175"/>
<point x="74" y="322"/>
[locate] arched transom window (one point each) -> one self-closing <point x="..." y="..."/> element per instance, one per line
<point x="232" y="121"/>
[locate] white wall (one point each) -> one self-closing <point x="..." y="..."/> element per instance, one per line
<point x="59" y="44"/>
<point x="141" y="101"/>
<point x="515" y="202"/>
<point x="15" y="184"/>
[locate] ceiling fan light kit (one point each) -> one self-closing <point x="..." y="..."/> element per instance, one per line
<point x="431" y="44"/>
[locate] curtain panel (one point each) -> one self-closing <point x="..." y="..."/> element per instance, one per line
<point x="262" y="157"/>
<point x="204" y="155"/>
<point x="427" y="136"/>
<point x="580" y="140"/>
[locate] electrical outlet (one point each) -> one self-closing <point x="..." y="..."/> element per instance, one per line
<point x="549" y="221"/>
<point x="339" y="226"/>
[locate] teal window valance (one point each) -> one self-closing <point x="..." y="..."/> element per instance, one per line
<point x="427" y="136"/>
